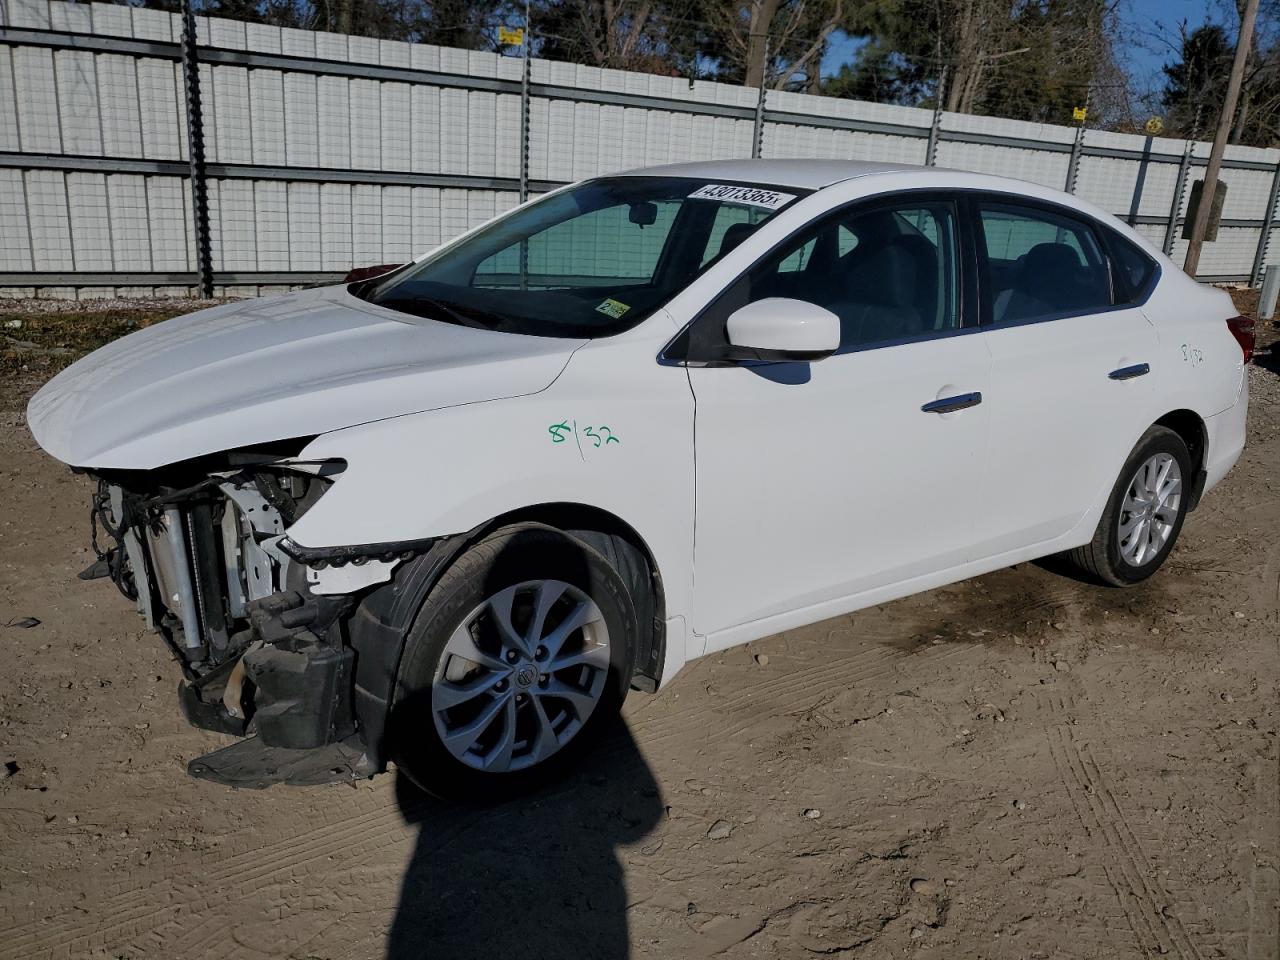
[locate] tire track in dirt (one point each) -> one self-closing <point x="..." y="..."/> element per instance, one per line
<point x="789" y="692"/>
<point x="1264" y="879"/>
<point x="186" y="900"/>
<point x="1130" y="876"/>
<point x="818" y="693"/>
<point x="153" y="900"/>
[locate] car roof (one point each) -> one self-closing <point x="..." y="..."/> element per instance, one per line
<point x="805" y="174"/>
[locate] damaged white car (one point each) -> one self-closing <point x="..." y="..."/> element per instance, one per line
<point x="450" y="515"/>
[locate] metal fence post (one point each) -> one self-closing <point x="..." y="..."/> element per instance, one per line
<point x="1264" y="237"/>
<point x="1270" y="289"/>
<point x="1077" y="147"/>
<point x="935" y="128"/>
<point x="524" y="109"/>
<point x="195" y="153"/>
<point x="1171" y="227"/>
<point x="757" y="134"/>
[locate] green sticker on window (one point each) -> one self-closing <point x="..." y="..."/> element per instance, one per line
<point x="613" y="308"/>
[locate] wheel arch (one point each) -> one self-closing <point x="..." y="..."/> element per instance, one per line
<point x="1190" y="426"/>
<point x="378" y="627"/>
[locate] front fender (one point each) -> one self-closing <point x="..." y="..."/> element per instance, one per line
<point x="614" y="432"/>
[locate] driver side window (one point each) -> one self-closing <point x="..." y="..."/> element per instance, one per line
<point x="889" y="274"/>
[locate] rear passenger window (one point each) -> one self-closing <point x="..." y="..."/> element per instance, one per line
<point x="1133" y="266"/>
<point x="1041" y="265"/>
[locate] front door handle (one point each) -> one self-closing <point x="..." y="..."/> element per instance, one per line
<point x="950" y="404"/>
<point x="1128" y="373"/>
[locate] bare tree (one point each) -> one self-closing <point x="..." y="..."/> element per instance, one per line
<point x="791" y="33"/>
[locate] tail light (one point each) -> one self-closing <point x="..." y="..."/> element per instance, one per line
<point x="1242" y="329"/>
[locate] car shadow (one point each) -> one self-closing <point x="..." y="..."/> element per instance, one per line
<point x="1269" y="357"/>
<point x="533" y="877"/>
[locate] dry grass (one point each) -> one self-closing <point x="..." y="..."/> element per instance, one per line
<point x="40" y="337"/>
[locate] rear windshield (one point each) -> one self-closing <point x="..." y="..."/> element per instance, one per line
<point x="586" y="262"/>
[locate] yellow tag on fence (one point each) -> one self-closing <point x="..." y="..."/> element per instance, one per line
<point x="512" y="36"/>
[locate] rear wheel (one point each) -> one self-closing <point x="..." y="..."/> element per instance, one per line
<point x="1144" y="513"/>
<point x="518" y="656"/>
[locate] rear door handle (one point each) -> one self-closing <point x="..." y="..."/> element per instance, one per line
<point x="1128" y="373"/>
<point x="950" y="404"/>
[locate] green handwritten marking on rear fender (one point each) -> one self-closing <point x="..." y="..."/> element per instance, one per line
<point x="594" y="437"/>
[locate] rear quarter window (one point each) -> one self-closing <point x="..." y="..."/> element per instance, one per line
<point x="1134" y="268"/>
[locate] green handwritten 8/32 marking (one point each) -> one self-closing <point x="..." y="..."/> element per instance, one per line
<point x="600" y="436"/>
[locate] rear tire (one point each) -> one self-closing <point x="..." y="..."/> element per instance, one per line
<point x="485" y="711"/>
<point x="1144" y="513"/>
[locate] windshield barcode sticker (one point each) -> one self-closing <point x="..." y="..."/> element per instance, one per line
<point x="725" y="193"/>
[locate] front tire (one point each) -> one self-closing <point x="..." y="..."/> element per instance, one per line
<point x="1144" y="514"/>
<point x="518" y="657"/>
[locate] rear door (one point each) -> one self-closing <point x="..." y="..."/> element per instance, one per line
<point x="1072" y="370"/>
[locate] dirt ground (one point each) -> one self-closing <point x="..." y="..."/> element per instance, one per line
<point x="1018" y="766"/>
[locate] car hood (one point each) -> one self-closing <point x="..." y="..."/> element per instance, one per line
<point x="271" y="369"/>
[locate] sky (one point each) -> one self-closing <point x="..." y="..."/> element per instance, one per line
<point x="1150" y="29"/>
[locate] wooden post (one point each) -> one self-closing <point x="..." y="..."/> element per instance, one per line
<point x="1210" y="189"/>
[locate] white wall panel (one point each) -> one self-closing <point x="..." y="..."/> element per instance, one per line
<point x="48" y="220"/>
<point x="1231" y="254"/>
<point x="166" y="214"/>
<point x="454" y="147"/>
<point x="238" y="225"/>
<point x="77" y="109"/>
<point x="266" y="113"/>
<point x="71" y="17"/>
<point x="304" y="227"/>
<point x="152" y="24"/>
<point x="366" y="224"/>
<point x="28" y="13"/>
<point x="482" y="134"/>
<point x="395" y="126"/>
<point x="271" y="212"/>
<point x="334" y="106"/>
<point x="159" y="83"/>
<point x="1247" y="192"/>
<point x="335" y="224"/>
<point x="301" y="121"/>
<point x="8" y="103"/>
<point x="37" y="98"/>
<point x="130" y="233"/>
<point x="112" y="20"/>
<point x="15" y="251"/>
<point x="397" y="225"/>
<point x="233" y="135"/>
<point x="425" y="204"/>
<point x="366" y="124"/>
<point x="118" y="94"/>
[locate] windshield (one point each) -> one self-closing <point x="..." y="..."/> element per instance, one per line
<point x="587" y="262"/>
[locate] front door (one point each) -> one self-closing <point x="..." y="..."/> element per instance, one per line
<point x="817" y="482"/>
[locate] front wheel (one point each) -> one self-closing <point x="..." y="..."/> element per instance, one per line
<point x="518" y="656"/>
<point x="1144" y="513"/>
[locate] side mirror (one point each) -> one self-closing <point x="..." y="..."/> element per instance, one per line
<point x="780" y="330"/>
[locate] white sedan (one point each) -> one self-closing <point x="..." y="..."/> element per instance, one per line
<point x="448" y="516"/>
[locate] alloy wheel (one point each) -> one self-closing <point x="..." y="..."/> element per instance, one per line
<point x="520" y="675"/>
<point x="1149" y="510"/>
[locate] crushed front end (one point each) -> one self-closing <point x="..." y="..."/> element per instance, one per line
<point x="260" y="635"/>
